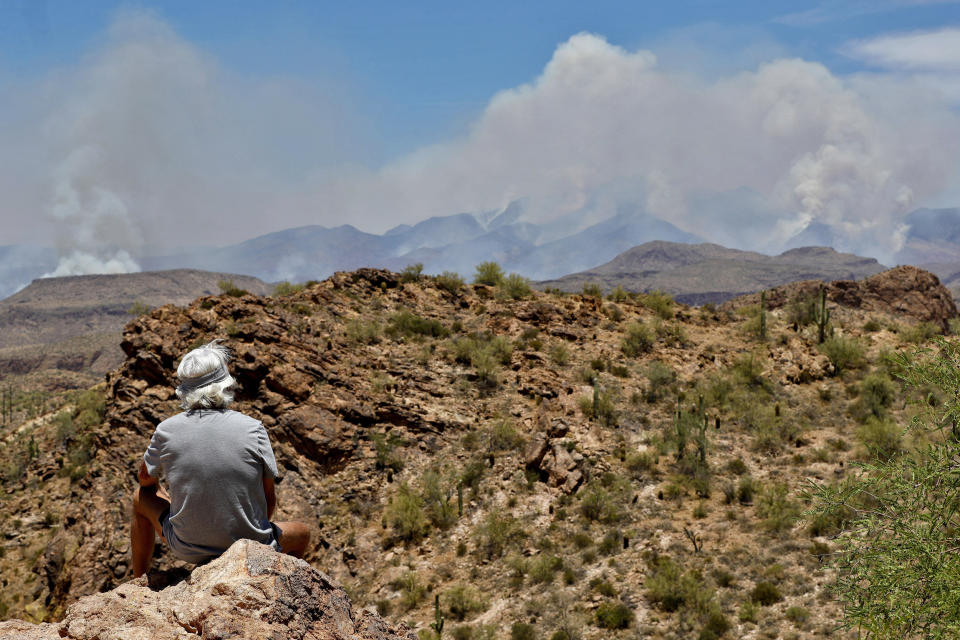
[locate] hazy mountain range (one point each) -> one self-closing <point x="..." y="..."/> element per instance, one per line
<point x="540" y="251"/>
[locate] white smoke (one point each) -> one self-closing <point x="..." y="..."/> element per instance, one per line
<point x="155" y="145"/>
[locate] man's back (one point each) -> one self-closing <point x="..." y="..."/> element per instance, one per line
<point x="214" y="462"/>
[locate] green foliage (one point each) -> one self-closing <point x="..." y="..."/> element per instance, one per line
<point x="543" y="567"/>
<point x="600" y="407"/>
<point x="463" y="601"/>
<point x="748" y="370"/>
<point x="642" y="463"/>
<point x="139" y="308"/>
<point x="660" y="303"/>
<point x="411" y="590"/>
<point x="407" y="324"/>
<point x="496" y="532"/>
<point x="638" y="340"/>
<point x="504" y="436"/>
<point x="604" y="499"/>
<point x="881" y="437"/>
<point x="802" y="309"/>
<point x="877" y="393"/>
<point x="437" y="494"/>
<point x="405" y="513"/>
<point x="822" y="316"/>
<point x="919" y="333"/>
<point x="618" y="295"/>
<point x="613" y="615"/>
<point x="560" y="354"/>
<point x="227" y="287"/>
<point x="386" y="449"/>
<point x="363" y="332"/>
<point x="592" y="290"/>
<point x="488" y="273"/>
<point x="797" y="615"/>
<point x="765" y="594"/>
<point x="522" y="631"/>
<point x="661" y="378"/>
<point x="775" y="508"/>
<point x="844" y="353"/>
<point x="450" y="281"/>
<point x="412" y="272"/>
<point x="515" y="287"/>
<point x="285" y="288"/>
<point x="671" y="588"/>
<point x="485" y="352"/>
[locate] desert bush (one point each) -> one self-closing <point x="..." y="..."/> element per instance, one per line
<point x="139" y="308"/>
<point x="515" y="287"/>
<point x="844" y="353"/>
<point x="599" y="406"/>
<point x="450" y="281"/>
<point x="746" y="490"/>
<point x="543" y="567"/>
<point x="872" y="325"/>
<point x="877" y="393"/>
<point x="881" y="437"/>
<point x="797" y="615"/>
<point x="463" y="601"/>
<point x="504" y="436"/>
<point x="603" y="499"/>
<point x="592" y="290"/>
<point x="409" y="324"/>
<point x="765" y="594"/>
<point x="560" y="354"/>
<point x="496" y="532"/>
<point x="405" y="514"/>
<point x="638" y="340"/>
<point x="411" y="590"/>
<point x="613" y="615"/>
<point x="603" y="587"/>
<point x="387" y="454"/>
<point x="437" y="493"/>
<point x="671" y="588"/>
<point x="285" y="288"/>
<point x="227" y="287"/>
<point x="363" y="332"/>
<point x="660" y="303"/>
<point x="802" y="309"/>
<point x="618" y="295"/>
<point x="488" y="273"/>
<point x="919" y="333"/>
<point x="777" y="511"/>
<point x="411" y="272"/>
<point x="522" y="631"/>
<point x="671" y="333"/>
<point x="660" y="378"/>
<point x="614" y="312"/>
<point x="642" y="463"/>
<point x="748" y="370"/>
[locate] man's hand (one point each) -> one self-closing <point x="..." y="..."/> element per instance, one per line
<point x="270" y="492"/>
<point x="144" y="478"/>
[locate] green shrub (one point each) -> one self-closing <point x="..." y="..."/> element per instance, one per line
<point x="522" y="631"/>
<point x="642" y="463"/>
<point x="618" y="295"/>
<point x="560" y="354"/>
<point x="285" y="288"/>
<point x="412" y="272"/>
<point x="777" y="510"/>
<point x="871" y="325"/>
<point x="660" y="303"/>
<point x="603" y="587"/>
<point x="504" y="436"/>
<point x="450" y="281"/>
<point x="746" y="489"/>
<point x="920" y="333"/>
<point x="844" y="353"/>
<point x="437" y="497"/>
<point x="488" y="273"/>
<point x="463" y="632"/>
<point x="515" y="287"/>
<point x="411" y="590"/>
<point x="409" y="324"/>
<point x="748" y="612"/>
<point x="765" y="594"/>
<point x="613" y="615"/>
<point x="716" y="625"/>
<point x="405" y="514"/>
<point x="802" y="309"/>
<point x="661" y="378"/>
<point x="227" y="287"/>
<point x="139" y="308"/>
<point x="638" y="340"/>
<point x="543" y="567"/>
<point x="748" y="369"/>
<point x="592" y="290"/>
<point x="363" y="332"/>
<point x="797" y="615"/>
<point x="496" y="532"/>
<point x="386" y="450"/>
<point x="604" y="503"/>
<point x="877" y="393"/>
<point x="881" y="437"/>
<point x="670" y="588"/>
<point x="463" y="600"/>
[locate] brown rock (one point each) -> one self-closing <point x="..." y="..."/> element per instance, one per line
<point x="561" y="469"/>
<point x="250" y="591"/>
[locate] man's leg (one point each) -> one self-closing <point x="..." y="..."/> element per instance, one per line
<point x="294" y="538"/>
<point x="149" y="503"/>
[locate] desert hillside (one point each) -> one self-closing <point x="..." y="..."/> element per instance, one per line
<point x="710" y="273"/>
<point x="547" y="465"/>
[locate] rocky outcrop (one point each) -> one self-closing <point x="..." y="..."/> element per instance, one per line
<point x="904" y="291"/>
<point x="251" y="591"/>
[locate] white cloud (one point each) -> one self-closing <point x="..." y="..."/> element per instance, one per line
<point x="916" y="51"/>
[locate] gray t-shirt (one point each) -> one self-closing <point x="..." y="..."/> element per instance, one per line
<point x="214" y="463"/>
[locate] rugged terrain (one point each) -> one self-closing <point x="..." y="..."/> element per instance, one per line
<point x="702" y="273"/>
<point x="515" y="453"/>
<point x="74" y="324"/>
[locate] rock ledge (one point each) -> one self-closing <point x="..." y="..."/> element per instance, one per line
<point x="251" y="591"/>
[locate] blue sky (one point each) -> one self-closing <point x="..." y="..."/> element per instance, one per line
<point x="129" y="128"/>
<point x="423" y="70"/>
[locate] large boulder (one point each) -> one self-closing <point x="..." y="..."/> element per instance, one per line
<point x="251" y="591"/>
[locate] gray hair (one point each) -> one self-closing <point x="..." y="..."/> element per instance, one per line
<point x="205" y="382"/>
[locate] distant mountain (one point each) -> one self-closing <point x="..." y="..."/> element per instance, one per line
<point x="74" y="323"/>
<point x="19" y="264"/>
<point x="447" y="243"/>
<point x="933" y="237"/>
<point x="700" y="273"/>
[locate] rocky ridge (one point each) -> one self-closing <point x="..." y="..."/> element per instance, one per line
<point x="369" y="389"/>
<point x="251" y="591"/>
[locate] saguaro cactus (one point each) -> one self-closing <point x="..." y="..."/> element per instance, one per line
<point x="763" y="315"/>
<point x="438" y="620"/>
<point x="822" y="316"/>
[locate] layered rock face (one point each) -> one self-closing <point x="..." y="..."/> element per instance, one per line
<point x="251" y="591"/>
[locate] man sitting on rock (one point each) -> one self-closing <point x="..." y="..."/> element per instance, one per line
<point x="219" y="468"/>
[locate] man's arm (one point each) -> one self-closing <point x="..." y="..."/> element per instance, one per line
<point x="144" y="478"/>
<point x="270" y="492"/>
